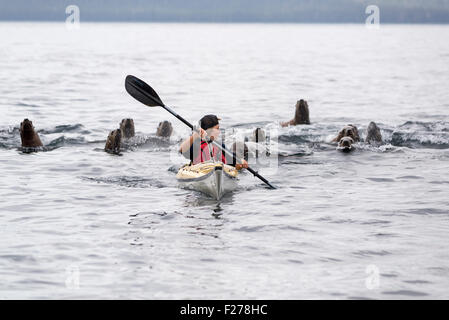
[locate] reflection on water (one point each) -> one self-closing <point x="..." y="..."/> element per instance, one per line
<point x="204" y="202"/>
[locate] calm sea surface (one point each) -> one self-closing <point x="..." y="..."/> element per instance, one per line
<point x="77" y="222"/>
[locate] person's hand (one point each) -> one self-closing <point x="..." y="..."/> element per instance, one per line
<point x="200" y="134"/>
<point x="244" y="164"/>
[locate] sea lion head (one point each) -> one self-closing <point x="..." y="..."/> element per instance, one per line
<point x="28" y="135"/>
<point x="164" y="129"/>
<point x="345" y="144"/>
<point x="302" y="112"/>
<point x="373" y="135"/>
<point x="127" y="128"/>
<point x="26" y="129"/>
<point x="114" y="141"/>
<point x="259" y="135"/>
<point x="349" y="131"/>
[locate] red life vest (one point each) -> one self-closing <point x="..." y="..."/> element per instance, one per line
<point x="204" y="154"/>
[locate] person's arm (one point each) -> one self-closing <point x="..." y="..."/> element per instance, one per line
<point x="186" y="144"/>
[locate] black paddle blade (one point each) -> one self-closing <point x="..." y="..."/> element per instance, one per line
<point x="142" y="92"/>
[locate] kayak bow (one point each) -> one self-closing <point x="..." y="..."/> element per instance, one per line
<point x="212" y="178"/>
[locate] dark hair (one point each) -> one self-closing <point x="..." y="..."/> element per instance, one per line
<point x="208" y="121"/>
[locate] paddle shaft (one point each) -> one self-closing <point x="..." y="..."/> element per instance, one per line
<point x="255" y="173"/>
<point x="178" y="116"/>
<point x="229" y="153"/>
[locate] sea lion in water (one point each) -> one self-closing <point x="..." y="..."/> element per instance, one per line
<point x="114" y="141"/>
<point x="348" y="131"/>
<point x="373" y="135"/>
<point x="301" y="114"/>
<point x="29" y="137"/>
<point x="258" y="135"/>
<point x="127" y="128"/>
<point x="345" y="144"/>
<point x="164" y="129"/>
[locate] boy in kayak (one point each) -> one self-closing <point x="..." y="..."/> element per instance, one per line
<point x="198" y="150"/>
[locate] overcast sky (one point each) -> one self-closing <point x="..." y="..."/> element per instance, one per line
<point x="326" y="11"/>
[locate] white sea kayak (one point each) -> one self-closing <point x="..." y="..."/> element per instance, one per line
<point x="212" y="178"/>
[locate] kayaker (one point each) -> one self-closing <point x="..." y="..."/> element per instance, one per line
<point x="198" y="150"/>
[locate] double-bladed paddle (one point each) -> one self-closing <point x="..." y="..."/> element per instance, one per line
<point x="143" y="93"/>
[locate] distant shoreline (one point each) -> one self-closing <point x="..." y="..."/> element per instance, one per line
<point x="231" y="11"/>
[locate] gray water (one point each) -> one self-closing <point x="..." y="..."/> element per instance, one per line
<point x="77" y="222"/>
